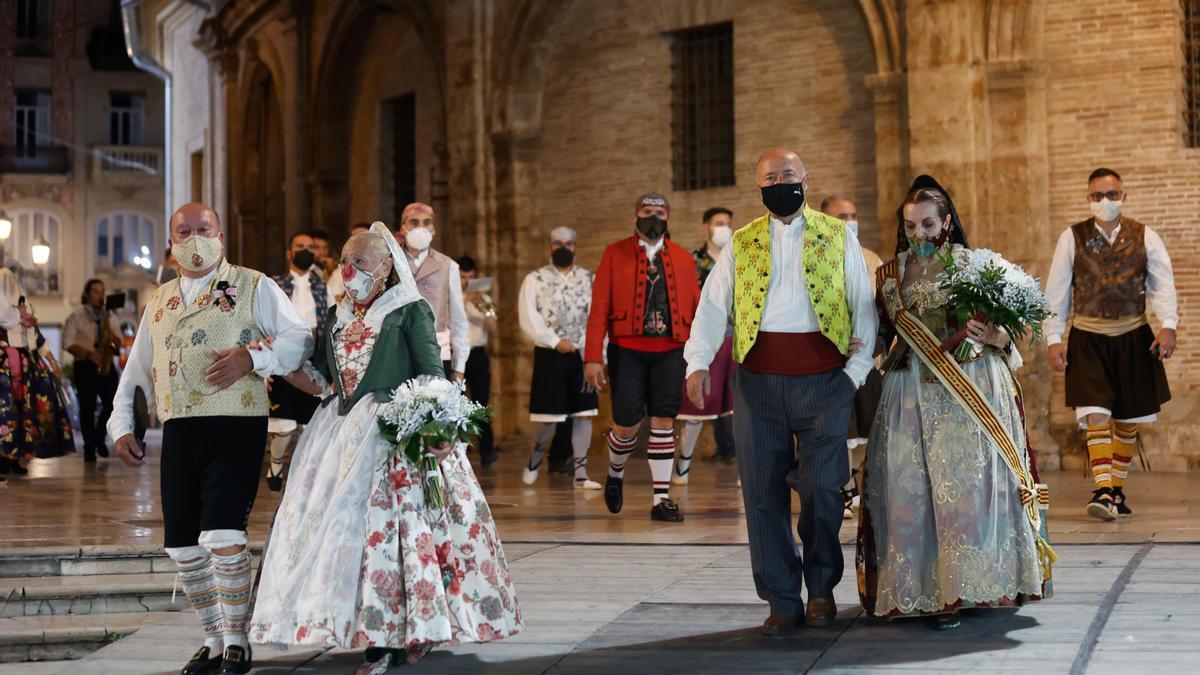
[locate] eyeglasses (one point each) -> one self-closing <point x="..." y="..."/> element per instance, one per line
<point x="1112" y="195"/>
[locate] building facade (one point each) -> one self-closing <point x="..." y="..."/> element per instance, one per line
<point x="513" y="117"/>
<point x="81" y="138"/>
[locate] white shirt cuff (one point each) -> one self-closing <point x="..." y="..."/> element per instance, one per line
<point x="1053" y="339"/>
<point x="1173" y="324"/>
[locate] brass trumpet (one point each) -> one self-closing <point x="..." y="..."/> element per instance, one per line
<point x="109" y="344"/>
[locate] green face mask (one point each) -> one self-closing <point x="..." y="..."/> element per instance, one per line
<point x="922" y="247"/>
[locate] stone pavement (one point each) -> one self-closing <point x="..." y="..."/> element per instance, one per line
<point x="692" y="609"/>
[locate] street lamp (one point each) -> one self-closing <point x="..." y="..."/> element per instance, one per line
<point x="40" y="251"/>
<point x="5" y="233"/>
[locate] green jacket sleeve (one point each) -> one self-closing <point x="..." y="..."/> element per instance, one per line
<point x="419" y="332"/>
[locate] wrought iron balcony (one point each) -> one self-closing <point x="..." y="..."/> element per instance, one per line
<point x="41" y="159"/>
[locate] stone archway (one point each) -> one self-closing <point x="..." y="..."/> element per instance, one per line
<point x="257" y="235"/>
<point x="375" y="54"/>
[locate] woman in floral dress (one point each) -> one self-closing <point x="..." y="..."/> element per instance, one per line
<point x="34" y="421"/>
<point x="943" y="524"/>
<point x="356" y="559"/>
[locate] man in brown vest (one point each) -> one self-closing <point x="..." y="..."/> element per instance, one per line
<point x="440" y="285"/>
<point x="1108" y="267"/>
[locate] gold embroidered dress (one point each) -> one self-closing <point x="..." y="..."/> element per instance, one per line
<point x="942" y="524"/>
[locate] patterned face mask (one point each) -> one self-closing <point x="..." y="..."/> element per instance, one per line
<point x="197" y="253"/>
<point x="360" y="285"/>
<point x="925" y="248"/>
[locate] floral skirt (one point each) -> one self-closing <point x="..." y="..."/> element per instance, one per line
<point x="34" y="419"/>
<point x="356" y="559"/>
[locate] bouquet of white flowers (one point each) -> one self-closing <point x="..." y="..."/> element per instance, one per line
<point x="986" y="287"/>
<point x="428" y="412"/>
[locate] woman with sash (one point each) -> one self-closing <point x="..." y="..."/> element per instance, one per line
<point x="950" y="516"/>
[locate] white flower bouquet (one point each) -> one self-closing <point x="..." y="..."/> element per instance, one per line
<point x="429" y="412"/>
<point x="986" y="287"/>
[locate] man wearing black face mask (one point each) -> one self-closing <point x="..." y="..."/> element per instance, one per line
<point x="643" y="300"/>
<point x="796" y="287"/>
<point x="304" y="284"/>
<point x="553" y="313"/>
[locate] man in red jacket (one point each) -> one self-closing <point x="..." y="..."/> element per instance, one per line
<point x="643" y="301"/>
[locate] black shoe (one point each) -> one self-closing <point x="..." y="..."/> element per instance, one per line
<point x="18" y="470"/>
<point x="274" y="481"/>
<point x="666" y="510"/>
<point x="237" y="660"/>
<point x="5" y="465"/>
<point x="566" y="467"/>
<point x="202" y="663"/>
<point x="89" y="454"/>
<point x="102" y="450"/>
<point x="490" y="459"/>
<point x="1119" y="502"/>
<point x="1101" y="506"/>
<point x="614" y="494"/>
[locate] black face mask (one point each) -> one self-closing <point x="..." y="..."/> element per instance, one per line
<point x="652" y="227"/>
<point x="783" y="199"/>
<point x="303" y="259"/>
<point x="562" y="257"/>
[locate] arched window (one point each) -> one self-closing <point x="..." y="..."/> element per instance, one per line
<point x="125" y="237"/>
<point x="28" y="225"/>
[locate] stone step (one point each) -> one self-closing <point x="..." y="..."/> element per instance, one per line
<point x="92" y="594"/>
<point x="75" y="561"/>
<point x="55" y="638"/>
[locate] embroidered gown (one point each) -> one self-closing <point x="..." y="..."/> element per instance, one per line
<point x="356" y="559"/>
<point x="942" y="524"/>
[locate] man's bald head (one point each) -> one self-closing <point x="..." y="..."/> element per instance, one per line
<point x="779" y="165"/>
<point x="194" y="219"/>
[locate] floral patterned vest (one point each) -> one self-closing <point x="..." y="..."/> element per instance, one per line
<point x="184" y="338"/>
<point x="1109" y="280"/>
<point x="824" y="261"/>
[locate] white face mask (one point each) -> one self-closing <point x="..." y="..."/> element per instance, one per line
<point x="361" y="286"/>
<point x="1106" y="209"/>
<point x="853" y="225"/>
<point x="419" y="238"/>
<point x="721" y="235"/>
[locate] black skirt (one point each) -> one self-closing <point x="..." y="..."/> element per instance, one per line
<point x="1117" y="373"/>
<point x="289" y="403"/>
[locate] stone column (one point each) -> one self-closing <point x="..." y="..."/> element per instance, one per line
<point x="891" y="153"/>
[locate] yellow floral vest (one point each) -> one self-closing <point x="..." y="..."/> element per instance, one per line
<point x="824" y="261"/>
<point x="185" y="337"/>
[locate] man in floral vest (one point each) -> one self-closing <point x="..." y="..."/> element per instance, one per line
<point x="1107" y="269"/>
<point x="796" y="286"/>
<point x="191" y="352"/>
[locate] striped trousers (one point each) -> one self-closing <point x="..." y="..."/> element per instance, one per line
<point x="787" y="422"/>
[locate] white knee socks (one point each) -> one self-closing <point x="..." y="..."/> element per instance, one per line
<point x="232" y="573"/>
<point x="689" y="433"/>
<point x="661" y="453"/>
<point x="581" y="441"/>
<point x="199" y="585"/>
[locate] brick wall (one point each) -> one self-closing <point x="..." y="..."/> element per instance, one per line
<point x="1115" y="100"/>
<point x="606" y="136"/>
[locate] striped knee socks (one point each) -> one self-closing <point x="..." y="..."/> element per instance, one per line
<point x="232" y="574"/>
<point x="1126" y="436"/>
<point x="1100" y="454"/>
<point x="619" y="449"/>
<point x="201" y="590"/>
<point x="661" y="453"/>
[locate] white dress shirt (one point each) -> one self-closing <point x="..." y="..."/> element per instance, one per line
<point x="275" y="317"/>
<point x="477" y="334"/>
<point x="302" y="297"/>
<point x="1160" y="282"/>
<point x="787" y="307"/>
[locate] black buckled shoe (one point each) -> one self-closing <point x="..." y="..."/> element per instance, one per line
<point x="1101" y="506"/>
<point x="202" y="663"/>
<point x="614" y="496"/>
<point x="1123" y="511"/>
<point x="102" y="449"/>
<point x="666" y="511"/>
<point x="237" y="660"/>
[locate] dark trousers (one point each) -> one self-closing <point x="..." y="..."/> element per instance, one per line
<point x="479" y="384"/>
<point x="786" y="423"/>
<point x="209" y="474"/>
<point x="93" y="388"/>
<point x="722" y="428"/>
